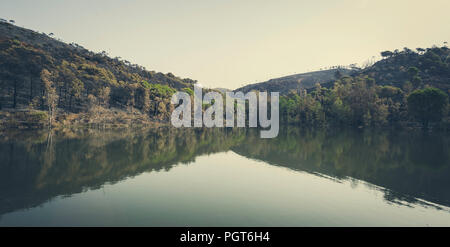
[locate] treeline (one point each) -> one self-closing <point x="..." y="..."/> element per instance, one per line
<point x="424" y="66"/>
<point x="369" y="99"/>
<point x="358" y="101"/>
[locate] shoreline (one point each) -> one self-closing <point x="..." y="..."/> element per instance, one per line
<point x="32" y="119"/>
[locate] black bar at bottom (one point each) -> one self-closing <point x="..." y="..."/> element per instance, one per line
<point x="223" y="236"/>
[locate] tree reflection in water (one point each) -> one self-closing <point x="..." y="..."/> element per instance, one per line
<point x="38" y="166"/>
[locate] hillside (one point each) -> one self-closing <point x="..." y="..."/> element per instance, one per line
<point x="80" y="78"/>
<point x="429" y="66"/>
<point x="296" y="82"/>
<point x="405" y="89"/>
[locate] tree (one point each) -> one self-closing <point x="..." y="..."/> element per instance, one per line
<point x="72" y="85"/>
<point x="50" y="95"/>
<point x="146" y="104"/>
<point x="427" y="105"/>
<point x="420" y="50"/>
<point x="386" y="54"/>
<point x="34" y="68"/>
<point x="76" y="87"/>
<point x="12" y="68"/>
<point x="413" y="76"/>
<point x="104" y="96"/>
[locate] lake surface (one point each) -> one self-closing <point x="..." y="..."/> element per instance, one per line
<point x="224" y="177"/>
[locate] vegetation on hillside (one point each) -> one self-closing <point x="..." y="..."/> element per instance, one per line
<point x="41" y="76"/>
<point x="36" y="70"/>
<point x="404" y="87"/>
<point x="302" y="81"/>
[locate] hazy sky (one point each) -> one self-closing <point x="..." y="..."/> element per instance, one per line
<point x="228" y="43"/>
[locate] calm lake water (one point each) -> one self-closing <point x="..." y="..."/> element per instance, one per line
<point x="223" y="177"/>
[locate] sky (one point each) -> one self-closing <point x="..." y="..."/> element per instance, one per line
<point x="230" y="43"/>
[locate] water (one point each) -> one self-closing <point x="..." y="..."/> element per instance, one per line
<point x="223" y="177"/>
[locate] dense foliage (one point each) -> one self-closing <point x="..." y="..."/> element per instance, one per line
<point x="428" y="105"/>
<point x="387" y="93"/>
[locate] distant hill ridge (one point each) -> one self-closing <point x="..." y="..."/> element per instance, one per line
<point x="296" y="82"/>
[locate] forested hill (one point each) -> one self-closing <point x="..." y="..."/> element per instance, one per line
<point x="403" y="89"/>
<point x="296" y="82"/>
<point x="78" y="76"/>
<point x="430" y="66"/>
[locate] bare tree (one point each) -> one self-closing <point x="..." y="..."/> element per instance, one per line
<point x="50" y="95"/>
<point x="98" y="113"/>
